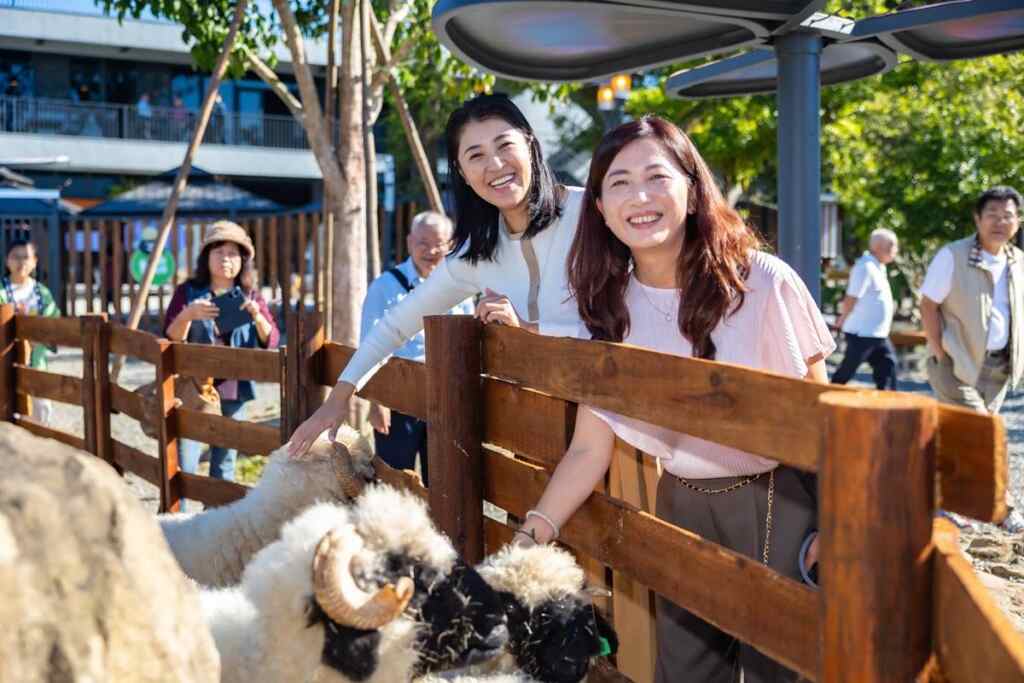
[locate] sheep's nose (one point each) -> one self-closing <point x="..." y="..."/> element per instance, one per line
<point x="497" y="637"/>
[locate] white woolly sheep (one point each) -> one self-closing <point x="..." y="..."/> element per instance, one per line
<point x="369" y="592"/>
<point x="212" y="547"/>
<point x="554" y="630"/>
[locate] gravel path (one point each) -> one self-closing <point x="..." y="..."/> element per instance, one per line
<point x="996" y="554"/>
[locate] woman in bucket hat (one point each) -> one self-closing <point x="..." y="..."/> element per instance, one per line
<point x="224" y="266"/>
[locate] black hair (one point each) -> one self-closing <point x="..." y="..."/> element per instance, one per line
<point x="201" y="278"/>
<point x="476" y="222"/>
<point x="999" y="193"/>
<point x="14" y="244"/>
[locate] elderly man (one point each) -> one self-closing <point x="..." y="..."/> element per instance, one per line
<point x="866" y="314"/>
<point x="973" y="308"/>
<point x="400" y="437"/>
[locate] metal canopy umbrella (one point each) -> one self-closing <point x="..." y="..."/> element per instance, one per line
<point x="757" y="72"/>
<point x="567" y="40"/>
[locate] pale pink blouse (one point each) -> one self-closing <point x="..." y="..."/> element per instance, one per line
<point x="778" y="328"/>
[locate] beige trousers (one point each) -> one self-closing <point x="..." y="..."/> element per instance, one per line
<point x="986" y="396"/>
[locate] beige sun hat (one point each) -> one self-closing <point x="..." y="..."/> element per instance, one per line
<point x="226" y="231"/>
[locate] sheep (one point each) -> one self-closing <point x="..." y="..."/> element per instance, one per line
<point x="554" y="630"/>
<point x="212" y="547"/>
<point x="369" y="592"/>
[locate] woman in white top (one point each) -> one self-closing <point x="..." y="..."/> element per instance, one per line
<point x="661" y="261"/>
<point x="512" y="235"/>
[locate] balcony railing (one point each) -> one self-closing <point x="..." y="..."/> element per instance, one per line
<point x="164" y="124"/>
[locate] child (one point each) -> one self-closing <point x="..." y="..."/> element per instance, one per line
<point x="30" y="297"/>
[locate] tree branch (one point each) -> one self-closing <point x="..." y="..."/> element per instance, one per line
<point x="396" y="16"/>
<point x="313" y="120"/>
<point x="267" y="75"/>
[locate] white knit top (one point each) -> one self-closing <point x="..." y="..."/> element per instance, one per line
<point x="779" y="329"/>
<point x="531" y="273"/>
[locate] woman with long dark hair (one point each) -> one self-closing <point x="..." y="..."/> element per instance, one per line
<point x="661" y="261"/>
<point x="514" y="225"/>
<point x="224" y="266"/>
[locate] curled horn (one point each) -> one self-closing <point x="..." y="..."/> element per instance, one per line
<point x="350" y="482"/>
<point x="336" y="590"/>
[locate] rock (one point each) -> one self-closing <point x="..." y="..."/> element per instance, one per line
<point x="991" y="549"/>
<point x="1006" y="571"/>
<point x="89" y="591"/>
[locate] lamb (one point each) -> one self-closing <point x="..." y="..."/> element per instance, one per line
<point x="369" y="592"/>
<point x="212" y="547"/>
<point x="554" y="629"/>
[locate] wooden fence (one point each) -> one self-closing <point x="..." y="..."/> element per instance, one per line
<point x="898" y="601"/>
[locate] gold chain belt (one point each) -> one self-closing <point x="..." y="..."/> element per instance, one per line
<point x="739" y="485"/>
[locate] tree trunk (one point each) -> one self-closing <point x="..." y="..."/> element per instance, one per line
<point x="370" y="159"/>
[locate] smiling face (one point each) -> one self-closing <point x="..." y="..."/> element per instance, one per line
<point x="428" y="243"/>
<point x="21" y="261"/>
<point x="997" y="223"/>
<point x="494" y="159"/>
<point x="225" y="261"/>
<point x="644" y="198"/>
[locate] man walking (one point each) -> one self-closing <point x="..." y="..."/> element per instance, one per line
<point x="400" y="437"/>
<point x="866" y="314"/>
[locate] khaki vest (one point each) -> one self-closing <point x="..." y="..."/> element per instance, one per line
<point x="966" y="310"/>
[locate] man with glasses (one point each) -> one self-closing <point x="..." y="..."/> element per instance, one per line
<point x="973" y="309"/>
<point x="400" y="437"/>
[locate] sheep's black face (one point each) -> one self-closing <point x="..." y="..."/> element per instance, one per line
<point x="350" y="651"/>
<point x="555" y="642"/>
<point x="461" y="617"/>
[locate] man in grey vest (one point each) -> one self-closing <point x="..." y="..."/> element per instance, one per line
<point x="973" y="308"/>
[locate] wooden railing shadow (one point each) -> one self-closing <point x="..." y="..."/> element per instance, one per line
<point x="898" y="600"/>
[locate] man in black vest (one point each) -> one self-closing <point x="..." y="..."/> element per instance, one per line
<point x="400" y="437"/>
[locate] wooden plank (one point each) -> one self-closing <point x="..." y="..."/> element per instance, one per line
<point x="716" y="401"/>
<point x="8" y="392"/>
<point x="777" y="615"/>
<point x="90" y="326"/>
<point x="129" y="403"/>
<point x="725" y="404"/>
<point x="217" y="430"/>
<point x="285" y="237"/>
<point x="134" y="343"/>
<point x="165" y="418"/>
<point x="224" y="362"/>
<point x="974" y="639"/>
<point x="318" y="290"/>
<point x="135" y="461"/>
<point x="211" y="492"/>
<point x="43" y="384"/>
<point x="190" y="243"/>
<point x="42" y="430"/>
<point x="973" y="463"/>
<point x="527" y="422"/>
<point x="633" y="479"/>
<point x="496" y="535"/>
<point x="400" y="385"/>
<point x="456" y="430"/>
<point x="903" y="338"/>
<point x="54" y="331"/>
<point x="117" y="269"/>
<point x="104" y="245"/>
<point x="877" y="487"/>
<point x="260" y="259"/>
<point x="300" y="227"/>
<point x="272" y="246"/>
<point x="22" y="401"/>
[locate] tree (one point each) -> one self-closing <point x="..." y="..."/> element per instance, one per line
<point x="341" y="148"/>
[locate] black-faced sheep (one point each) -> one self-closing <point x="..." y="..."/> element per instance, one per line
<point x="554" y="630"/>
<point x="213" y="547"/>
<point x="368" y="592"/>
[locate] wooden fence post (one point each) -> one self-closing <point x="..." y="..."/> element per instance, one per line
<point x="877" y="484"/>
<point x="8" y="394"/>
<point x="22" y="356"/>
<point x="96" y="387"/>
<point x="167" y="441"/>
<point x="455" y="430"/>
<point x="302" y="393"/>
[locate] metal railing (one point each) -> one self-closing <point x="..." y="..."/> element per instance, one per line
<point x="164" y="124"/>
<point x="81" y="7"/>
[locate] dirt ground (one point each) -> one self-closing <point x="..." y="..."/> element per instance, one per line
<point x="997" y="555"/>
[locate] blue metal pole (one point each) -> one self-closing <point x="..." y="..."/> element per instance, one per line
<point x="799" y="100"/>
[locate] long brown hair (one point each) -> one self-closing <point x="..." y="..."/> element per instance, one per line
<point x="713" y="262"/>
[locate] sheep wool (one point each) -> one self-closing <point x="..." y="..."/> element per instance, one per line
<point x="213" y="547"/>
<point x="533" y="575"/>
